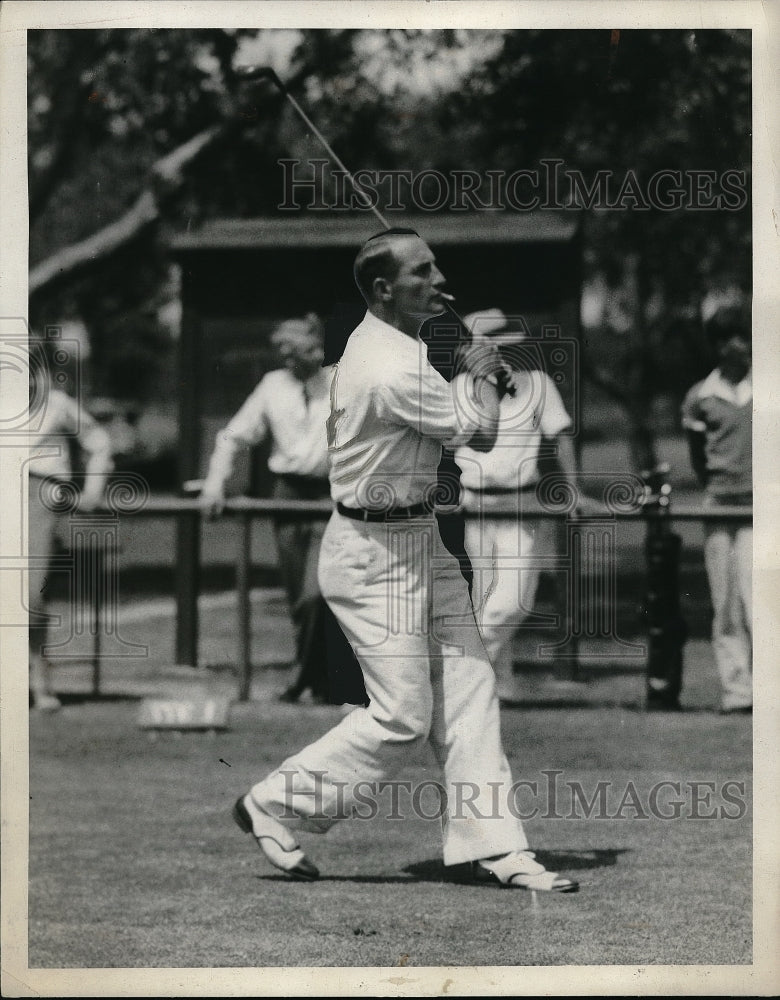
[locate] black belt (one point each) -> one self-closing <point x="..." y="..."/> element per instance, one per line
<point x="391" y="514"/>
<point x="499" y="490"/>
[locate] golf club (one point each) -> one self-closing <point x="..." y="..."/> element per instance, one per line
<point x="266" y="73"/>
<point x="258" y="73"/>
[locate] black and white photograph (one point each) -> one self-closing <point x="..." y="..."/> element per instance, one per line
<point x="390" y="526"/>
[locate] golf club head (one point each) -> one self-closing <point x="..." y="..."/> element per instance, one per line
<point x="256" y="73"/>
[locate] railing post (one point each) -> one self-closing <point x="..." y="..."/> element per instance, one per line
<point x="666" y="628"/>
<point x="243" y="563"/>
<point x="566" y="662"/>
<point x="187" y="584"/>
<point x="189" y="463"/>
<point x="97" y="610"/>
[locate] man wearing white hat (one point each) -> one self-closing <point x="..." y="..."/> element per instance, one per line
<point x="507" y="554"/>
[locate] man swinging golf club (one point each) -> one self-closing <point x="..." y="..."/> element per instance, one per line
<point x="399" y="594"/>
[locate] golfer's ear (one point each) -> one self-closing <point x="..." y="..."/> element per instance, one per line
<point x="382" y="290"/>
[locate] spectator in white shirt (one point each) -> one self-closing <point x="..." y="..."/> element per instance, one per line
<point x="508" y="554"/>
<point x="289" y="408"/>
<point x="717" y="414"/>
<point x="61" y="422"/>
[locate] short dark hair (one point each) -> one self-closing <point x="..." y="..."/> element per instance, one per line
<point x="728" y="322"/>
<point x="376" y="259"/>
<point x="310" y="324"/>
<point x="397" y="231"/>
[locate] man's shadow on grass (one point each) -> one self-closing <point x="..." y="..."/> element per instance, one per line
<point x="434" y="870"/>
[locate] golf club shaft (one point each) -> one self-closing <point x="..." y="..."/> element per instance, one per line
<point x="267" y="73"/>
<point x="304" y="117"/>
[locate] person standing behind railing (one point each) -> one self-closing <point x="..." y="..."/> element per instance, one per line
<point x="511" y="550"/>
<point x="63" y="427"/>
<point x="290" y="407"/>
<point x="717" y="415"/>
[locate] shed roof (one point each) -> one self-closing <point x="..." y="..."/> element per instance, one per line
<point x="311" y="231"/>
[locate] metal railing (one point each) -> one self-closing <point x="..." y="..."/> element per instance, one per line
<point x="188" y="515"/>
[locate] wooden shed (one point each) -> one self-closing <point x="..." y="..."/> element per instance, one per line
<point x="241" y="276"/>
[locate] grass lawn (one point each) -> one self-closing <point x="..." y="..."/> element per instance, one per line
<point x="135" y="862"/>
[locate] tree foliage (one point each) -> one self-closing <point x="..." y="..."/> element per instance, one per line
<point x="129" y="132"/>
<point x="643" y="102"/>
<point x="108" y="110"/>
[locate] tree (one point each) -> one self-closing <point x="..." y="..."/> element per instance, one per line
<point x="135" y="134"/>
<point x="125" y="129"/>
<point x="646" y="102"/>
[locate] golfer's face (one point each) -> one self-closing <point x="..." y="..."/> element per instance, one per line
<point x="418" y="284"/>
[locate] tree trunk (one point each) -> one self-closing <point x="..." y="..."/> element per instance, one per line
<point x="641" y="391"/>
<point x="165" y="178"/>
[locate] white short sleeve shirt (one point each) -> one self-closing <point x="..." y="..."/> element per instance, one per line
<point x="62" y="418"/>
<point x="535" y="411"/>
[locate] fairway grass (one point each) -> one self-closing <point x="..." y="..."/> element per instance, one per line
<point x="135" y="861"/>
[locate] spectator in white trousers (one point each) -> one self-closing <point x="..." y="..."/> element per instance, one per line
<point x="718" y="416"/>
<point x="62" y="426"/>
<point x="507" y="555"/>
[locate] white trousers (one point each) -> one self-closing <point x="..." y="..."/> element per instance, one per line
<point x="402" y="602"/>
<point x="728" y="556"/>
<point x="506" y="557"/>
<point x="42" y="528"/>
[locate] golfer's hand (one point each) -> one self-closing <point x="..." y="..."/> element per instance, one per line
<point x="511" y="378"/>
<point x="212" y="502"/>
<point x="480" y="358"/>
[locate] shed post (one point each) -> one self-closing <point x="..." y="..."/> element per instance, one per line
<point x="187" y="569"/>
